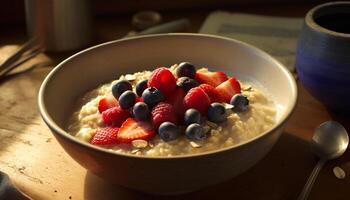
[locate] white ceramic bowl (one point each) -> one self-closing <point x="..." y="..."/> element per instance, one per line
<point x="164" y="175"/>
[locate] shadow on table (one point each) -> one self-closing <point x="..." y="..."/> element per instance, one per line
<point x="280" y="175"/>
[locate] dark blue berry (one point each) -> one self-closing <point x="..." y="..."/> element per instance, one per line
<point x="217" y="113"/>
<point x="168" y="131"/>
<point x="141" y="111"/>
<point x="119" y="87"/>
<point x="195" y="132"/>
<point x="151" y="96"/>
<point x="185" y="69"/>
<point x="240" y="103"/>
<point x="186" y="83"/>
<point x="140" y="87"/>
<point x="192" y="116"/>
<point x="127" y="99"/>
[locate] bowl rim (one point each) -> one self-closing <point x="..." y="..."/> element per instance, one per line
<point x="55" y="129"/>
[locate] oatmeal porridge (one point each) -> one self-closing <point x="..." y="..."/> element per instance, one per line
<point x="172" y="111"/>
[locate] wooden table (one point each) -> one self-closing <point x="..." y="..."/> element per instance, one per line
<point x="39" y="166"/>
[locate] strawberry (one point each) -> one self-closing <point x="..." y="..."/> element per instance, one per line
<point x="107" y="102"/>
<point x="163" y="80"/>
<point x="163" y="112"/>
<point x="211" y="92"/>
<point x="176" y="100"/>
<point x="139" y="99"/>
<point x="115" y="116"/>
<point x="228" y="88"/>
<point x="105" y="136"/>
<point x="212" y="78"/>
<point x="134" y="130"/>
<point x="198" y="99"/>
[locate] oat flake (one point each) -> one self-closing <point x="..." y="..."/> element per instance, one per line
<point x="139" y="143"/>
<point x="339" y="172"/>
<point x="195" y="145"/>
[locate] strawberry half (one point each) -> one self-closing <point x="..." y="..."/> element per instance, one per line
<point x="228" y="88"/>
<point x="211" y="92"/>
<point x="212" y="78"/>
<point x="115" y="116"/>
<point x="163" y="80"/>
<point x="198" y="99"/>
<point x="105" y="136"/>
<point x="106" y="103"/>
<point x="176" y="100"/>
<point x="163" y="112"/>
<point x="134" y="130"/>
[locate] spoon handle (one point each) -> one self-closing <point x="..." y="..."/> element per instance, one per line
<point x="311" y="180"/>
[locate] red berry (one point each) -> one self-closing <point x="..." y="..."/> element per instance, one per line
<point x="134" y="130"/>
<point x="211" y="92"/>
<point x="139" y="99"/>
<point x="176" y="99"/>
<point x="228" y="88"/>
<point x="163" y="80"/>
<point x="212" y="78"/>
<point x="198" y="99"/>
<point x="107" y="102"/>
<point x="105" y="136"/>
<point x="115" y="116"/>
<point x="162" y="112"/>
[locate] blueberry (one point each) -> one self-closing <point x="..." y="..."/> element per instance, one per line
<point x="186" y="83"/>
<point x="186" y="69"/>
<point x="141" y="111"/>
<point x="119" y="87"/>
<point x="151" y="96"/>
<point x="127" y="99"/>
<point x="195" y="132"/>
<point x="240" y="103"/>
<point x="140" y="87"/>
<point x="217" y="113"/>
<point x="168" y="131"/>
<point x="192" y="116"/>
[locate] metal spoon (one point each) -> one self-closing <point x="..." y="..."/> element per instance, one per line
<point x="329" y="142"/>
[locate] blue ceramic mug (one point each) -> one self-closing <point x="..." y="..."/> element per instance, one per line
<point x="323" y="55"/>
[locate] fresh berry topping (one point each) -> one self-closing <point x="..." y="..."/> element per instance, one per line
<point x="105" y="136"/>
<point x="133" y="130"/>
<point x="228" y="88"/>
<point x="211" y="92"/>
<point x="139" y="99"/>
<point x="127" y="99"/>
<point x="240" y="103"/>
<point x="151" y="96"/>
<point x="163" y="80"/>
<point x="107" y="102"/>
<point x="163" y="112"/>
<point x="212" y="78"/>
<point x="198" y="99"/>
<point x="140" y="87"/>
<point x="115" y="116"/>
<point x="186" y="83"/>
<point x="168" y="131"/>
<point x="176" y="100"/>
<point x="195" y="132"/>
<point x="192" y="116"/>
<point x="141" y="111"/>
<point x="119" y="87"/>
<point x="217" y="113"/>
<point x="185" y="69"/>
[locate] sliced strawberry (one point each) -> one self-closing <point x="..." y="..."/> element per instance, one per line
<point x="176" y="99"/>
<point x="105" y="136"/>
<point x="134" y="130"/>
<point x="211" y="92"/>
<point x="163" y="112"/>
<point x="115" y="116"/>
<point x="212" y="78"/>
<point x="228" y="88"/>
<point x="163" y="80"/>
<point x="107" y="102"/>
<point x="139" y="99"/>
<point x="198" y="99"/>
